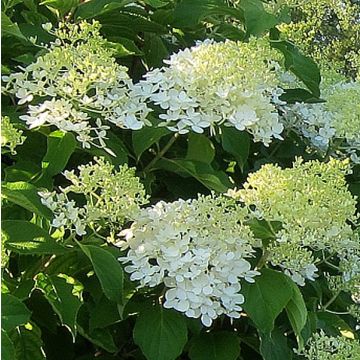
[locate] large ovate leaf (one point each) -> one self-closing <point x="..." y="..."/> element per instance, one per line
<point x="236" y="143"/>
<point x="61" y="7"/>
<point x="108" y="270"/>
<point x="60" y="146"/>
<point x="128" y="24"/>
<point x="161" y="334"/>
<point x="27" y="238"/>
<point x="274" y="346"/>
<point x="8" y="28"/>
<point x="13" y="312"/>
<point x="257" y="20"/>
<point x="155" y="50"/>
<point x="28" y="343"/>
<point x="7" y="347"/>
<point x="142" y="139"/>
<point x="26" y="196"/>
<point x="93" y="8"/>
<point x="203" y="172"/>
<point x="297" y="314"/>
<point x="332" y="324"/>
<point x="103" y="313"/>
<point x="222" y="345"/>
<point x="269" y="303"/>
<point x="302" y="66"/>
<point x="188" y="13"/>
<point x="62" y="297"/>
<point x="200" y="148"/>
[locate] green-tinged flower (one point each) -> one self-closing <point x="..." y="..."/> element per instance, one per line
<point x="227" y="83"/>
<point x="111" y="197"/>
<point x="10" y="135"/>
<point x="199" y="249"/>
<point x="78" y="85"/>
<point x="302" y="199"/>
<point x="323" y="347"/>
<point x="334" y="124"/>
<point x="348" y="279"/>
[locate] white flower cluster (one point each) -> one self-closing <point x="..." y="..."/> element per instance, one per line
<point x="228" y="83"/>
<point x="312" y="218"/>
<point x="78" y="86"/>
<point x="197" y="249"/>
<point x="66" y="213"/>
<point x="111" y="197"/>
<point x="334" y="124"/>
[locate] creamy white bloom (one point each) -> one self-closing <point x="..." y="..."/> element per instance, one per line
<point x="334" y="124"/>
<point x="212" y="84"/>
<point x="198" y="249"/>
<point x="78" y="84"/>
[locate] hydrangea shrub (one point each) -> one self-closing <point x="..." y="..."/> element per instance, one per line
<point x="177" y="181"/>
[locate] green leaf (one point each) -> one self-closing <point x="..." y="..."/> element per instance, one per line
<point x="7" y="347"/>
<point x="27" y="238"/>
<point x="156" y="3"/>
<point x="93" y="8"/>
<point x="142" y="139"/>
<point x="26" y="196"/>
<point x="62" y="297"/>
<point x="223" y="345"/>
<point x="331" y="323"/>
<point x="167" y="337"/>
<point x="268" y="305"/>
<point x="302" y="66"/>
<point x="274" y="346"/>
<point x="127" y="24"/>
<point x="100" y="337"/>
<point x="263" y="229"/>
<point x="13" y="312"/>
<point x="200" y="148"/>
<point x="291" y="96"/>
<point x="60" y="146"/>
<point x="62" y="7"/>
<point x="155" y="50"/>
<point x="237" y="143"/>
<point x="204" y="173"/>
<point x="27" y="341"/>
<point x="188" y="13"/>
<point x="8" y="28"/>
<point x="103" y="314"/>
<point x="257" y="20"/>
<point x="108" y="270"/>
<point x="124" y="47"/>
<point x="297" y="314"/>
<point x="22" y="170"/>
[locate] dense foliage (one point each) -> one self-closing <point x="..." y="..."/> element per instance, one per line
<point x="180" y="179"/>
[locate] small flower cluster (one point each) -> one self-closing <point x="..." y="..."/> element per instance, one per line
<point x="10" y="135"/>
<point x="111" y="198"/>
<point x="323" y="347"/>
<point x="80" y="86"/>
<point x="197" y="249"/>
<point x="302" y="199"/>
<point x="236" y="84"/>
<point x="335" y="123"/>
<point x="349" y="269"/>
